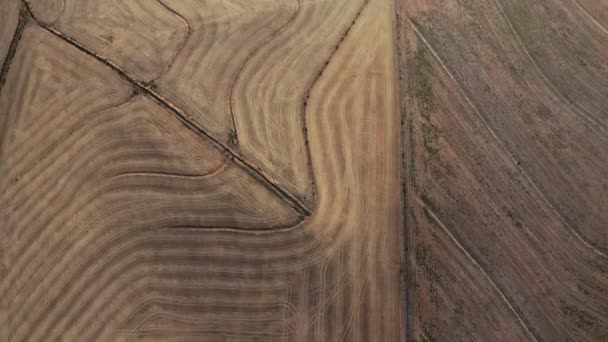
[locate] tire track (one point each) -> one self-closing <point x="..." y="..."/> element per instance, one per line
<point x="504" y="298"/>
<point x="574" y="231"/>
<point x="592" y="119"/>
<point x="588" y="15"/>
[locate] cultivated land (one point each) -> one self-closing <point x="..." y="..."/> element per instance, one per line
<point x="303" y="170"/>
<point x="506" y="113"/>
<point x="200" y="171"/>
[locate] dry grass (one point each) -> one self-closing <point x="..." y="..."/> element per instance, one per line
<point x="200" y="170"/>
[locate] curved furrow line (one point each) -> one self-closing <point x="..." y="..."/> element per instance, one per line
<point x="310" y="89"/>
<point x="337" y="309"/>
<point x="68" y="195"/>
<point x="220" y="169"/>
<point x="333" y="204"/>
<point x="205" y="43"/>
<point x="122" y="142"/>
<point x="214" y="326"/>
<point x="590" y="117"/>
<point x="357" y="312"/>
<point x="188" y="290"/>
<point x="595" y="22"/>
<point x="265" y="54"/>
<point x="103" y="310"/>
<point x="342" y="200"/>
<point x="180" y="47"/>
<point x="148" y="255"/>
<point x="122" y="151"/>
<point x="572" y="14"/>
<point x="256" y="240"/>
<point x="256" y="305"/>
<point x="232" y="276"/>
<point x="250" y="56"/>
<point x="328" y="291"/>
<point x="11" y="49"/>
<point x="250" y="335"/>
<point x="85" y="161"/>
<point x="47" y="155"/>
<point x="47" y="260"/>
<point x="187" y="121"/>
<point x="574" y="231"/>
<point x="566" y="141"/>
<point x="145" y="250"/>
<point x="467" y="178"/>
<point x="29" y="210"/>
<point x="58" y="245"/>
<point x="338" y="200"/>
<point x="8" y="56"/>
<point x="34" y="260"/>
<point x="353" y="122"/>
<point x="61" y="242"/>
<point x="201" y="80"/>
<point x="590" y="17"/>
<point x="135" y="286"/>
<point x="269" y="115"/>
<point x="561" y="101"/>
<point x="146" y="46"/>
<point x="31" y="133"/>
<point x="62" y="7"/>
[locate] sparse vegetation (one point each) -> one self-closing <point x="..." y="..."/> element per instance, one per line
<point x="508" y="136"/>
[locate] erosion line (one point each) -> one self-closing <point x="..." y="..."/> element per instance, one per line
<point x="406" y="241"/>
<point x="249" y="57"/>
<point x="574" y="231"/>
<point x="180" y="47"/>
<point x="312" y="85"/>
<point x="478" y="265"/>
<point x="145" y="89"/>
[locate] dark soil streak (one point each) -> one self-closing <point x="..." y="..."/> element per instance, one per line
<point x="23" y="20"/>
<point x="408" y="280"/>
<point x="147" y="89"/>
<point x="312" y="85"/>
<point x="181" y="46"/>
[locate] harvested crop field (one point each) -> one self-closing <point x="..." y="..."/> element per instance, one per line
<point x="303" y="170"/>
